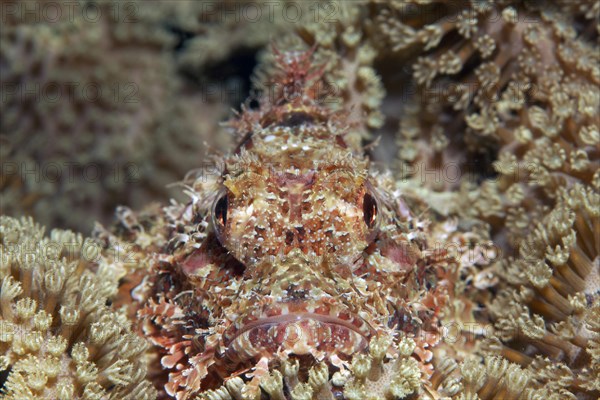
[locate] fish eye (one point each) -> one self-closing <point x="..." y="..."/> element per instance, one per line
<point x="219" y="213"/>
<point x="370" y="210"/>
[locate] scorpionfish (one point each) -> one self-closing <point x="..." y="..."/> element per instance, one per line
<point x="296" y="271"/>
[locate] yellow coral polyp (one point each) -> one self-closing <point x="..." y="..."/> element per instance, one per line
<point x="43" y="359"/>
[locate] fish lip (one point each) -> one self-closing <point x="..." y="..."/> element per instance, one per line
<point x="299" y="316"/>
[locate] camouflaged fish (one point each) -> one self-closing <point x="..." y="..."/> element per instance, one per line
<point x="294" y="272"/>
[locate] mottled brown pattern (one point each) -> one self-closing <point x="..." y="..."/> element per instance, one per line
<point x="300" y="260"/>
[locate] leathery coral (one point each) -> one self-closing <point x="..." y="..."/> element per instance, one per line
<point x="493" y="74"/>
<point x="84" y="85"/>
<point x="58" y="337"/>
<point x="534" y="100"/>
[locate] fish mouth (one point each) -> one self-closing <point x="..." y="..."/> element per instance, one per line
<point x="300" y="333"/>
<point x="295" y="317"/>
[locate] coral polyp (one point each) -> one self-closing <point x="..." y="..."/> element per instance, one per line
<point x="58" y="337"/>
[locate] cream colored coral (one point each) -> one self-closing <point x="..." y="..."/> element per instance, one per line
<point x="395" y="378"/>
<point x="59" y="338"/>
